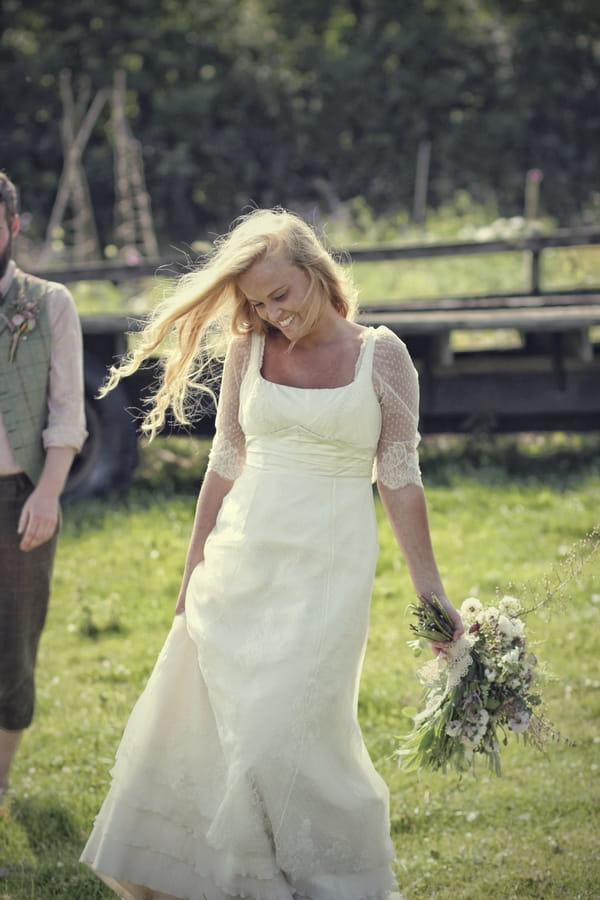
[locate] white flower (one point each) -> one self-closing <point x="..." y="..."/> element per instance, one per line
<point x="510" y="606"/>
<point x="472" y="737"/>
<point x="512" y="657"/>
<point x="490" y="615"/>
<point x="470" y="609"/>
<point x="518" y="627"/>
<point x="519" y="722"/>
<point x="453" y="728"/>
<point x="506" y="626"/>
<point x="490" y="674"/>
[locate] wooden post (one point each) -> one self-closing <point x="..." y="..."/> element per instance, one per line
<point x="421" y="182"/>
<point x="536" y="259"/>
<point x="533" y="180"/>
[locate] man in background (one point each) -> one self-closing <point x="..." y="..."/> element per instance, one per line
<point x="42" y="426"/>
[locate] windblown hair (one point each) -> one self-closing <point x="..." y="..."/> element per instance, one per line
<point x="208" y="302"/>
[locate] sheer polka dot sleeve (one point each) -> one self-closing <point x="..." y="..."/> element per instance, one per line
<point x="228" y="450"/>
<point x="396" y="384"/>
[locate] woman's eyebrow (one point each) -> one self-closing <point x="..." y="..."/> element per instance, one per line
<point x="270" y="294"/>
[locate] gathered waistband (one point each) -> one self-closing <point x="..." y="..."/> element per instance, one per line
<point x="296" y="453"/>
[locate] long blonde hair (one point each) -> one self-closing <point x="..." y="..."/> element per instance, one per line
<point x="208" y="301"/>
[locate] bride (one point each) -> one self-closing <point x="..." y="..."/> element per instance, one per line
<point x="242" y="771"/>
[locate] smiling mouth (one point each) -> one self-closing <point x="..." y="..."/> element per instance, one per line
<point x="283" y="323"/>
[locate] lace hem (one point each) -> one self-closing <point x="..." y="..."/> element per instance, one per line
<point x="225" y="459"/>
<point x="397" y="465"/>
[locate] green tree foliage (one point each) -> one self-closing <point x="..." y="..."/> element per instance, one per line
<point x="309" y="103"/>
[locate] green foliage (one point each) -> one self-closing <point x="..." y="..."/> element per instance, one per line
<point x="503" y="519"/>
<point x="310" y="104"/>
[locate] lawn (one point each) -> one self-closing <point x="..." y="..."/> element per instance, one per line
<point x="505" y="515"/>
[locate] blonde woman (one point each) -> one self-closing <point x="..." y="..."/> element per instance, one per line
<point x="242" y="771"/>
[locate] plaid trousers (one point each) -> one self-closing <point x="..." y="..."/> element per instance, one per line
<point x="24" y="594"/>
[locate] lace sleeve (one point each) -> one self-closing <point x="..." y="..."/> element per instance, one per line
<point x="396" y="384"/>
<point x="228" y="450"/>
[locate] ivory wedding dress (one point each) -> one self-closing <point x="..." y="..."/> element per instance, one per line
<point x="242" y="771"/>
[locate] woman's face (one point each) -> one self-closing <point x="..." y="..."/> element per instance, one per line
<point x="277" y="290"/>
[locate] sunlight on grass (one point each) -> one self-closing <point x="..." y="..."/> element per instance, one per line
<point x="502" y="512"/>
<point x="418" y="279"/>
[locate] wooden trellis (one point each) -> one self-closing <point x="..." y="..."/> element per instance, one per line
<point x="134" y="228"/>
<point x="72" y="222"/>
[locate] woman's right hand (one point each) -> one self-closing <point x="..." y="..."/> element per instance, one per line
<point x="180" y="606"/>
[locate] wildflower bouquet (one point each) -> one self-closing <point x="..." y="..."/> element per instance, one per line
<point x="478" y="691"/>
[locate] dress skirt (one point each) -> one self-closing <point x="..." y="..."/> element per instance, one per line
<point x="242" y="771"/>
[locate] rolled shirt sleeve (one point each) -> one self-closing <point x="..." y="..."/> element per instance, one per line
<point x="66" y="405"/>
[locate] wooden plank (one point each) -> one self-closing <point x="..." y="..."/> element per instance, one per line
<point x="169" y="267"/>
<point x="535" y="243"/>
<point x="514" y="393"/>
<point x="589" y="297"/>
<point x="555" y="319"/>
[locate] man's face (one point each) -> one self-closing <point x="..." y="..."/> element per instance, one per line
<point x="7" y="232"/>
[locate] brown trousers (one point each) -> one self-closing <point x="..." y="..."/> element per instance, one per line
<point x="24" y="594"/>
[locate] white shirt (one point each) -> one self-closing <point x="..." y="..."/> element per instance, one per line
<point x="66" y="412"/>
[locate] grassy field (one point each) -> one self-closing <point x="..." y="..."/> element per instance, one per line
<point x="502" y="512"/>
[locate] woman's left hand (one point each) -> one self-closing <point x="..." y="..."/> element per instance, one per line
<point x="459" y="629"/>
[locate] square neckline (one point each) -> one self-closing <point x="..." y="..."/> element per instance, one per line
<point x="365" y="335"/>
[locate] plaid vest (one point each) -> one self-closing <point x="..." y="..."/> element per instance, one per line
<point x="24" y="379"/>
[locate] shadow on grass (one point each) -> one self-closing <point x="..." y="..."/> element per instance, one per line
<point x="54" y="844"/>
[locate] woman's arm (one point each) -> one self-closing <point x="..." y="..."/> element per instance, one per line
<point x="407" y="511"/>
<point x="225" y="462"/>
<point x="212" y="493"/>
<point x="398" y="476"/>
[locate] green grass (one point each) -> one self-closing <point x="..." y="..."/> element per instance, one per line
<point x="501" y="511"/>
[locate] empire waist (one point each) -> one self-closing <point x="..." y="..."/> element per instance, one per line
<point x="300" y="452"/>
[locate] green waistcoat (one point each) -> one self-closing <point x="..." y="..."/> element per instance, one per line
<point x="24" y="380"/>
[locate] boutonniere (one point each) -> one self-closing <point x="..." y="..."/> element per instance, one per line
<point x="20" y="319"/>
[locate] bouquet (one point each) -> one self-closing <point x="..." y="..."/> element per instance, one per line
<point x="22" y="320"/>
<point x="479" y="690"/>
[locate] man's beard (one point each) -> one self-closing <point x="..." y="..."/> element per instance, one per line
<point x="5" y="257"/>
